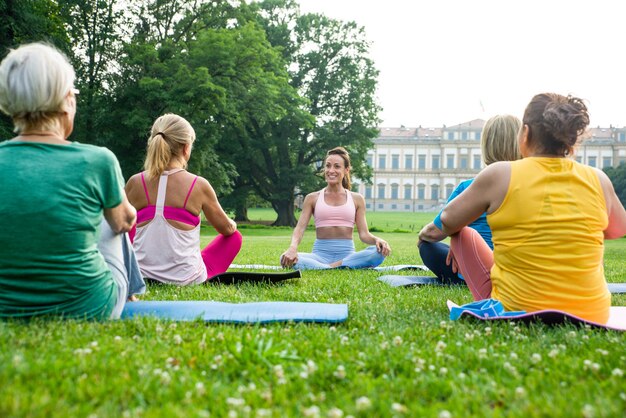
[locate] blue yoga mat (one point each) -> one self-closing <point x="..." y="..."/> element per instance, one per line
<point x="255" y="312"/>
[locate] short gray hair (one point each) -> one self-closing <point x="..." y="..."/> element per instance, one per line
<point x="34" y="81"/>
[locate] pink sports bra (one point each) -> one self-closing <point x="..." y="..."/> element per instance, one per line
<point x="326" y="215"/>
<point x="169" y="212"/>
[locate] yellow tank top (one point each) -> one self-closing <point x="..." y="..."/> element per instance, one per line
<point x="548" y="240"/>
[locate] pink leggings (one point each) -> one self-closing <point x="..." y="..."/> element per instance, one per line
<point x="221" y="252"/>
<point x="473" y="259"/>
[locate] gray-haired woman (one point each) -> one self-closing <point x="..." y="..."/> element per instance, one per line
<point x="57" y="255"/>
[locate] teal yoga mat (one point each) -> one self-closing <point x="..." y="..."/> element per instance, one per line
<point x="617" y="317"/>
<point x="254" y="312"/>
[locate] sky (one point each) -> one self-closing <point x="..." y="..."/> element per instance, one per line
<point x="445" y="62"/>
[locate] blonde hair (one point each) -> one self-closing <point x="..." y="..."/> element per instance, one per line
<point x="498" y="141"/>
<point x="341" y="151"/>
<point x="34" y="81"/>
<point x="170" y="133"/>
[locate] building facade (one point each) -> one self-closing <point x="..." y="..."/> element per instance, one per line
<point x="416" y="169"/>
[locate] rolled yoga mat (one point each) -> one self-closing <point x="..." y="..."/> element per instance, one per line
<point x="244" y="313"/>
<point x="617" y="317"/>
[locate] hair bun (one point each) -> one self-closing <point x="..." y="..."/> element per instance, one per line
<point x="566" y="120"/>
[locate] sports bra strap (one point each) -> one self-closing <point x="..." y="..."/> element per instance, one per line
<point x="189" y="192"/>
<point x="145" y="189"/>
<point x="160" y="203"/>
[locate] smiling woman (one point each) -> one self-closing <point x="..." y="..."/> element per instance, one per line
<point x="336" y="210"/>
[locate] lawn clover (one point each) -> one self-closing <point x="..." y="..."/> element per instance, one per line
<point x="340" y="373"/>
<point x="363" y="403"/>
<point x="440" y="346"/>
<point x="520" y="392"/>
<point x="178" y="339"/>
<point x="312" y="411"/>
<point x="535" y="358"/>
<point x="235" y="402"/>
<point x="445" y="414"/>
<point x="482" y="353"/>
<point x="617" y="373"/>
<point x="200" y="389"/>
<point x="399" y="408"/>
<point x="335" y="413"/>
<point x="397" y="340"/>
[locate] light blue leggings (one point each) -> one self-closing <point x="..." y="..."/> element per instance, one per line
<point x="326" y="251"/>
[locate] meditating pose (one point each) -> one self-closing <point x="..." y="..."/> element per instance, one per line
<point x="336" y="210"/>
<point x="498" y="142"/>
<point x="57" y="255"/>
<point x="169" y="200"/>
<point x="549" y="217"/>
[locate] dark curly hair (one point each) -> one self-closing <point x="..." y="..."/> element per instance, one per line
<point x="555" y="122"/>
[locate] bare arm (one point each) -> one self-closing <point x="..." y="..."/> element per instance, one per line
<point x="430" y="233"/>
<point x="213" y="210"/>
<point x="614" y="208"/>
<point x="364" y="233"/>
<point x="485" y="194"/>
<point x="122" y="217"/>
<point x="290" y="256"/>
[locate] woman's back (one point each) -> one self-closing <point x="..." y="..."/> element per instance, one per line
<point x="51" y="202"/>
<point x="548" y="239"/>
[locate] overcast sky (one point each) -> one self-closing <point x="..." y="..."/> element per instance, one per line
<point x="451" y="61"/>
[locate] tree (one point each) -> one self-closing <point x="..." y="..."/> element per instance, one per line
<point x="618" y="178"/>
<point x="26" y="21"/>
<point x="329" y="67"/>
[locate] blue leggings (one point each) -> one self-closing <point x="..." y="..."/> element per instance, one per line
<point x="326" y="251"/>
<point x="434" y="257"/>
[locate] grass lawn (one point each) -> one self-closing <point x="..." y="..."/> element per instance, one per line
<point x="397" y="355"/>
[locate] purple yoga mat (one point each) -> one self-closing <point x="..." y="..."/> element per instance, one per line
<point x="617" y="318"/>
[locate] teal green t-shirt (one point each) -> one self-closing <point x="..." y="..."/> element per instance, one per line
<point x="51" y="204"/>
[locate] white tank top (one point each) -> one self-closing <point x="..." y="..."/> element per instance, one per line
<point x="166" y="253"/>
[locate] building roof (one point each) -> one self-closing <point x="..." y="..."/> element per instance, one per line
<point x="476" y="123"/>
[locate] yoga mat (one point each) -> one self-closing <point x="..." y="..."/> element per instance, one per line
<point x="256" y="312"/>
<point x="616" y="288"/>
<point x="402" y="267"/>
<point x="400" y="281"/>
<point x="399" y="267"/>
<point x="403" y="281"/>
<point x="255" y="267"/>
<point x="235" y="277"/>
<point x="617" y="317"/>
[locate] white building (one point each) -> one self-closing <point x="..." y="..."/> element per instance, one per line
<point x="416" y="169"/>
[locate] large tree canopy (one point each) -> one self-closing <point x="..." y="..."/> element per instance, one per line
<point x="618" y="178"/>
<point x="267" y="90"/>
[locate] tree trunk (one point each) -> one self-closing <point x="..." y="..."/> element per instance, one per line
<point x="241" y="213"/>
<point x="286" y="213"/>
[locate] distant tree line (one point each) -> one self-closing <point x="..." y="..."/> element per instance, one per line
<point x="267" y="89"/>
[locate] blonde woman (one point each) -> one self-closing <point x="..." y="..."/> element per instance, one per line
<point x="57" y="254"/>
<point x="336" y="210"/>
<point x="498" y="143"/>
<point x="169" y="200"/>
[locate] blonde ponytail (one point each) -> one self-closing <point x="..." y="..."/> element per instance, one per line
<point x="169" y="136"/>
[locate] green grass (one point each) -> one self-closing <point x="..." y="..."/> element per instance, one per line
<point x="397" y="355"/>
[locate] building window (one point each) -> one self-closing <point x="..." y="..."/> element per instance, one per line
<point x="606" y="162"/>
<point x="621" y="161"/>
<point x="449" y="160"/>
<point x="592" y="161"/>
<point x="449" y="189"/>
<point x="370" y="160"/>
<point x="464" y="136"/>
<point x="434" y="192"/>
<point x="477" y="136"/>
<point x="622" y="137"/>
<point x="408" y="162"/>
<point x="381" y="191"/>
<point x="421" y="162"/>
<point x="407" y="191"/>
<point x="579" y="159"/>
<point x="394" y="191"/>
<point x="394" y="206"/>
<point x="450" y="135"/>
<point x="368" y="206"/>
<point x="476" y="162"/>
<point x="395" y="162"/>
<point x="407" y="207"/>
<point x="382" y="161"/>
<point x="381" y="206"/>
<point x="421" y="191"/>
<point x="463" y="162"/>
<point x="435" y="162"/>
<point x="368" y="192"/>
<point x="420" y="207"/>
